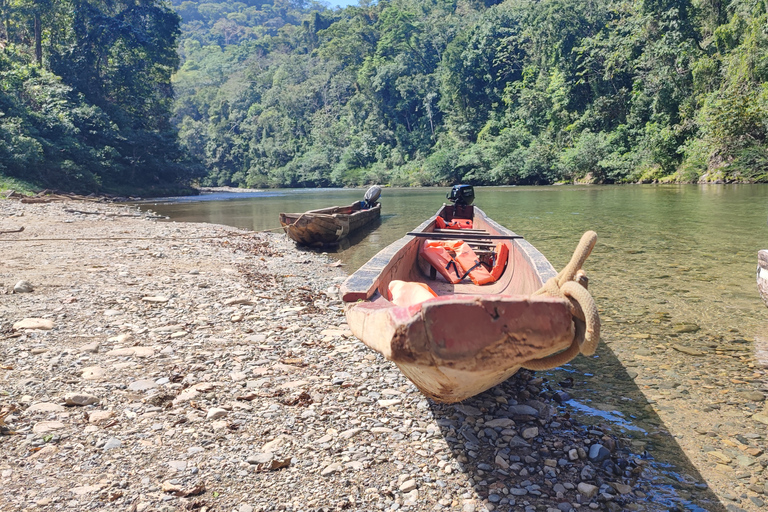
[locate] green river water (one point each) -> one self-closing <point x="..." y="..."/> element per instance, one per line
<point x="673" y="274"/>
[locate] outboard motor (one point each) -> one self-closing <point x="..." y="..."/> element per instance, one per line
<point x="461" y="195"/>
<point x="372" y="195"/>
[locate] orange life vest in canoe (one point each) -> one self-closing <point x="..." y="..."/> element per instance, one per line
<point x="455" y="259"/>
<point x="500" y="261"/>
<point x="441" y="223"/>
<point x="406" y="293"/>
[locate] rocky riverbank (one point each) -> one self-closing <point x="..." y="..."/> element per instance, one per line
<point x="158" y="366"/>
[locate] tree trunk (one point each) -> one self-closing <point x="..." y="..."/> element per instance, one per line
<point x="38" y="40"/>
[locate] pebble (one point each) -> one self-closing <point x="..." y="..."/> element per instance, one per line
<point x="23" y="287"/>
<point x="80" y="399"/>
<point x="215" y="413"/>
<point x="587" y="490"/>
<point x="598" y="453"/>
<point x="45" y="407"/>
<point x="142" y="385"/>
<point x="43" y="427"/>
<point x="112" y="443"/>
<point x="42" y="324"/>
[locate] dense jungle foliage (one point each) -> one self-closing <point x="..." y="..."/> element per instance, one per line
<point x="404" y="92"/>
<point x="86" y="96"/>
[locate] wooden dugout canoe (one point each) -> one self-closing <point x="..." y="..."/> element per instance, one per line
<point x="327" y="226"/>
<point x="470" y="338"/>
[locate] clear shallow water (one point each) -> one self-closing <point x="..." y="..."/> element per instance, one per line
<point x="666" y="257"/>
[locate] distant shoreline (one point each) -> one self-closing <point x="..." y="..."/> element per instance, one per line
<point x="204" y="190"/>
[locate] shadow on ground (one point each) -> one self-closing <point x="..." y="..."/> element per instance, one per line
<point x="528" y="444"/>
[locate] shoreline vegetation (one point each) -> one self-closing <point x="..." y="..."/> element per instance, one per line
<point x="150" y="365"/>
<point x="276" y="93"/>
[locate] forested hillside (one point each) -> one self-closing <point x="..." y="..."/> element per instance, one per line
<point x="420" y="92"/>
<point x="85" y="95"/>
<point x="119" y="95"/>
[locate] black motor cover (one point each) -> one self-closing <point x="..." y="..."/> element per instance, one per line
<point x="462" y="194"/>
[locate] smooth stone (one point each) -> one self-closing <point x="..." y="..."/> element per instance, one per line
<point x="408" y="485"/>
<point x="329" y="470"/>
<point x="719" y="457"/>
<point x="100" y="416"/>
<point x="156" y="299"/>
<point x="588" y="490"/>
<point x="23" y="287"/>
<point x="598" y="453"/>
<point x="275" y="444"/>
<point x="80" y="399"/>
<point x="259" y="458"/>
<point x="143" y="352"/>
<point x="621" y="488"/>
<point x="178" y="465"/>
<point x="468" y="410"/>
<point x="688" y="350"/>
<point x="500" y="422"/>
<point x="94" y="373"/>
<point x="121" y="352"/>
<point x="215" y="413"/>
<point x="111" y="444"/>
<point x="762" y="418"/>
<point x="122" y="338"/>
<point x="85" y="489"/>
<point x="47" y="426"/>
<point x="686" y="328"/>
<point x="92" y="347"/>
<point x="523" y="410"/>
<point x="33" y="323"/>
<point x="530" y="432"/>
<point x="142" y="385"/>
<point x="45" y="407"/>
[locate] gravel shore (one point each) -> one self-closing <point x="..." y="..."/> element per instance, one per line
<point x="160" y="366"/>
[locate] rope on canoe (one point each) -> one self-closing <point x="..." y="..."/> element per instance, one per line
<point x="571" y="284"/>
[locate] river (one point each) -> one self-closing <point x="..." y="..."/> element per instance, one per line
<point x="682" y="368"/>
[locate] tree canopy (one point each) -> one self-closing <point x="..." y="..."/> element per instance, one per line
<point x="291" y="93"/>
<point x="86" y="96"/>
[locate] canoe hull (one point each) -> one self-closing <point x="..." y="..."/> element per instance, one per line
<point x="762" y="275"/>
<point x="327" y="226"/>
<point x="468" y="339"/>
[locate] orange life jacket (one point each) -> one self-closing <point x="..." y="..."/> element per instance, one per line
<point x="406" y="293"/>
<point x="441" y="223"/>
<point x="502" y="254"/>
<point x="455" y="259"/>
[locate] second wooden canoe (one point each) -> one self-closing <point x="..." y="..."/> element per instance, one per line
<point x="470" y="338"/>
<point x="328" y="226"/>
